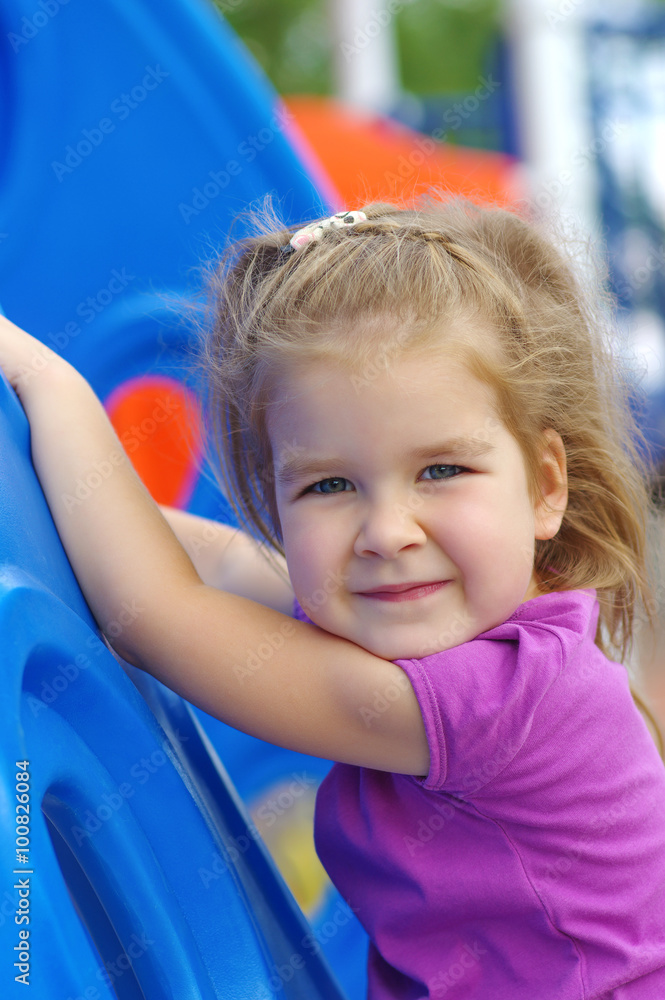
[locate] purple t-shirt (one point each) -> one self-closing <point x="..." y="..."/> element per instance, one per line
<point x="529" y="863"/>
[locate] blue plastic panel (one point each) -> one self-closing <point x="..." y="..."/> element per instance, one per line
<point x="129" y="808"/>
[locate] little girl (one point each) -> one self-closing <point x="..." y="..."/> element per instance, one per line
<point x="418" y="410"/>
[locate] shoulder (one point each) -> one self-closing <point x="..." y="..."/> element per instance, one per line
<point x="548" y="625"/>
<point x="479" y="699"/>
<point x="569" y="615"/>
<point x="574" y="610"/>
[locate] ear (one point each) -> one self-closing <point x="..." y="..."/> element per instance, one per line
<point x="553" y="481"/>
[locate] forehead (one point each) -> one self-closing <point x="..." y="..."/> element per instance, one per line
<point x="378" y="349"/>
<point x="370" y="345"/>
<point x="404" y="406"/>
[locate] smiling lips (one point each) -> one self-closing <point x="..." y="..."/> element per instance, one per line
<point x="403" y="591"/>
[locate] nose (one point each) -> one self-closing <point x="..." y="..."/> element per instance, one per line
<point x="387" y="528"/>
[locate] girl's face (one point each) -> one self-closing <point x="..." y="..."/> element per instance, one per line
<point x="406" y="516"/>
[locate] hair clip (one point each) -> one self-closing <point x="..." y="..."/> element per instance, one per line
<point x="314" y="230"/>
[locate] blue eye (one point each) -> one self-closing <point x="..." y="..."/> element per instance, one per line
<point x="336" y="484"/>
<point x="445" y="471"/>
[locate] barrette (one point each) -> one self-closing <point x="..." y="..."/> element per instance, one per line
<point x="314" y="230"/>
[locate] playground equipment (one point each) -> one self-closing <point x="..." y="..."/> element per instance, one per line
<point x="135" y="871"/>
<point x="133" y="132"/>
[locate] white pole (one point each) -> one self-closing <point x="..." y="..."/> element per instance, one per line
<point x="365" y="53"/>
<point x="554" y="117"/>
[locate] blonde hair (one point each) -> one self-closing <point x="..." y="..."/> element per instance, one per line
<point x="414" y="270"/>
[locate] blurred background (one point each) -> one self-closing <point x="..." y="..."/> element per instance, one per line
<point x="134" y="132"/>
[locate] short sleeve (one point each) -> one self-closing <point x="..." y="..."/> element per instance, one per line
<point x="478" y="702"/>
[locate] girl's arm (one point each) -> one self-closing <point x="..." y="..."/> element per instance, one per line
<point x="260" y="671"/>
<point x="229" y="559"/>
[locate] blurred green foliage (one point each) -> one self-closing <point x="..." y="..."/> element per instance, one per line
<point x="289" y="38"/>
<point x="443" y="45"/>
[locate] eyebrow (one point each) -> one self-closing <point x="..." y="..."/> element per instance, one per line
<point x="295" y="469"/>
<point x="471" y="447"/>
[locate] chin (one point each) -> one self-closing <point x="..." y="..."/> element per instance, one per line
<point x="408" y="649"/>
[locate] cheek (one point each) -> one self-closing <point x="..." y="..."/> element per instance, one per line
<point x="489" y="525"/>
<point x="310" y="551"/>
<point x="472" y="518"/>
<point x="505" y="533"/>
